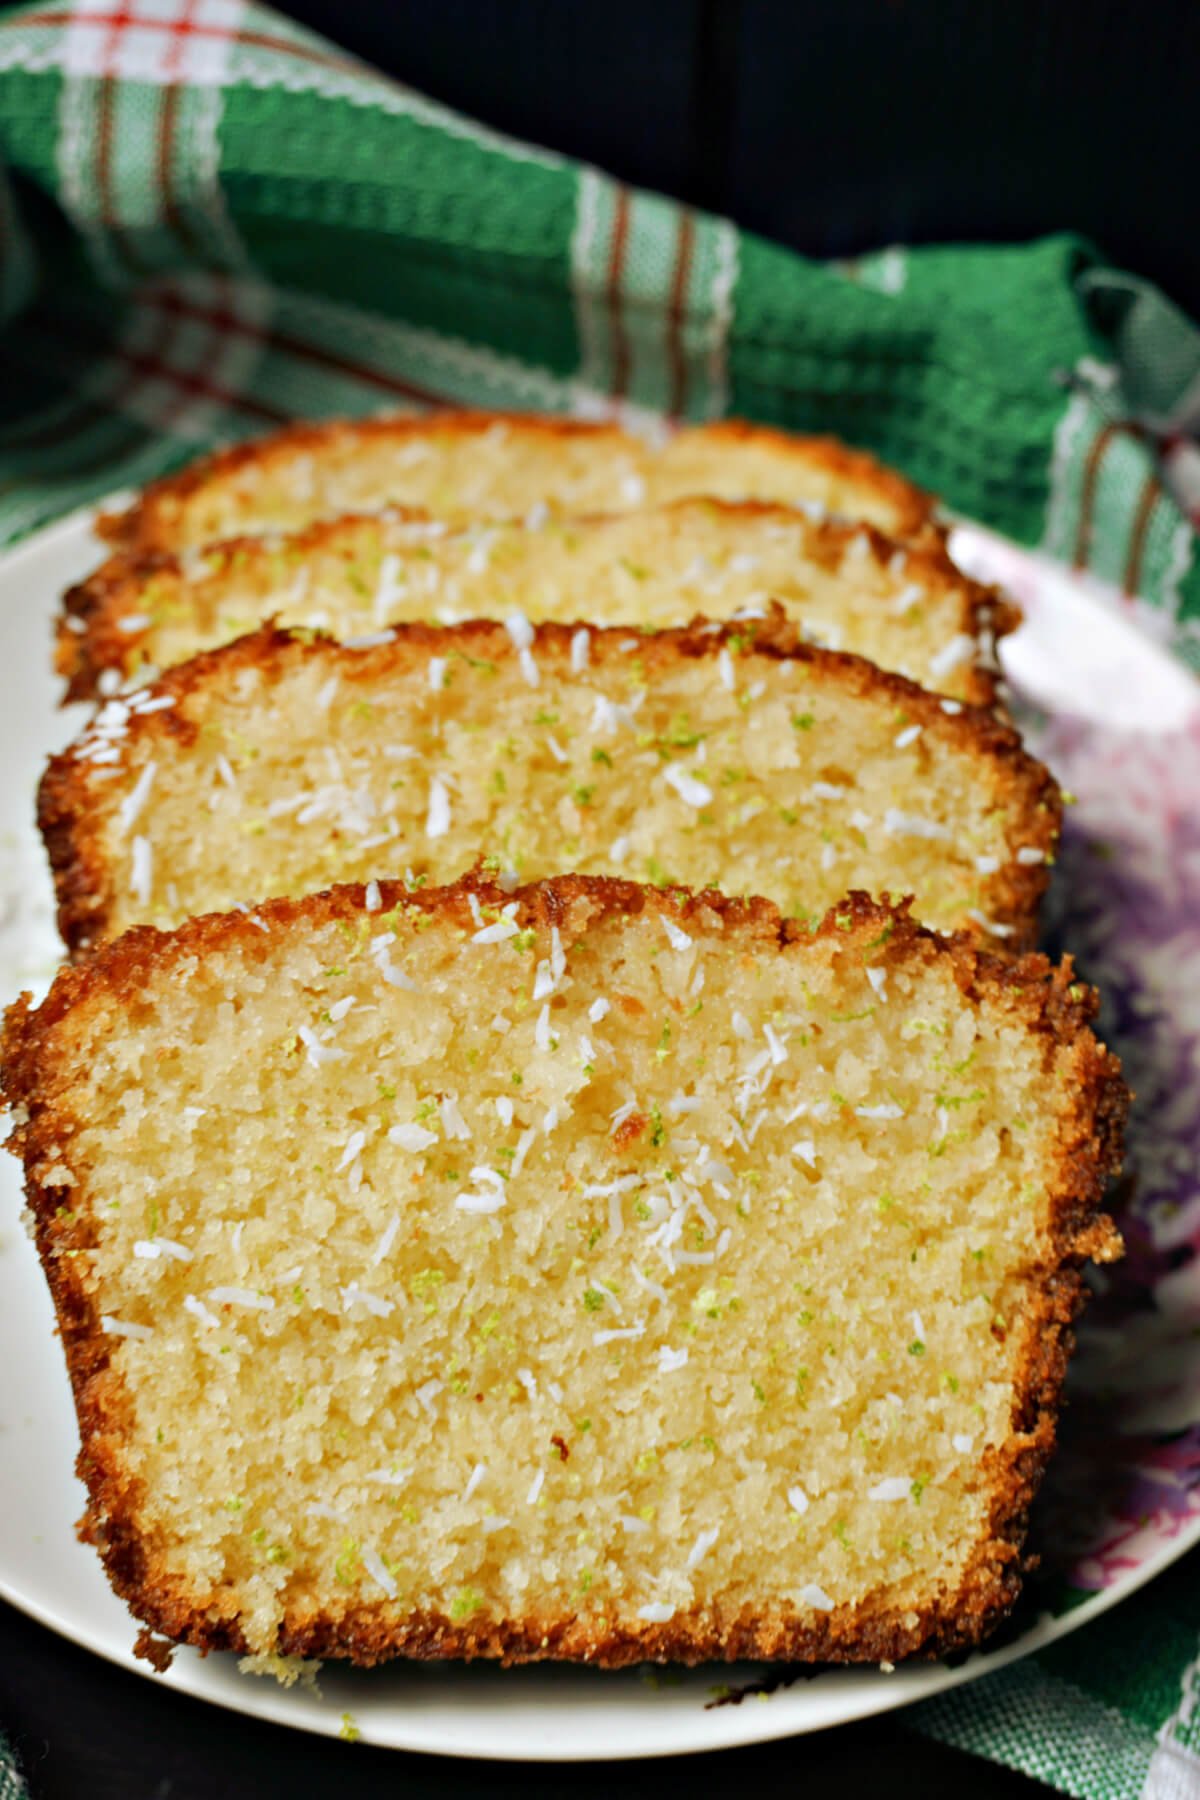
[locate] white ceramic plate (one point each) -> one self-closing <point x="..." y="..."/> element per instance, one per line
<point x="1121" y="725"/>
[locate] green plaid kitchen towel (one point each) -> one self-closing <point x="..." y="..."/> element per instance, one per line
<point x="12" y="1787"/>
<point x="1110" y="1713"/>
<point x="212" y="221"/>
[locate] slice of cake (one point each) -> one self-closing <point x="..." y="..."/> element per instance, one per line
<point x="467" y="466"/>
<point x="586" y="1272"/>
<point x="847" y="587"/>
<point x="735" y="756"/>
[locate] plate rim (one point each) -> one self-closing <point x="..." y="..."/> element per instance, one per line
<point x="1040" y="1636"/>
<point x="266" y="1701"/>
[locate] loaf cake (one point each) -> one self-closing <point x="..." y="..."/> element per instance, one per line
<point x="584" y="1272"/>
<point x="848" y="587"/>
<point x="735" y="756"/>
<point x="468" y="466"/>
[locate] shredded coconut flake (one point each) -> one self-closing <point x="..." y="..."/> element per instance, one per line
<point x="477" y="1475"/>
<point x="676" y="936"/>
<point x="237" y="1296"/>
<point x="993" y="925"/>
<point x="519" y="630"/>
<point x="369" y="640"/>
<point x="962" y="1443"/>
<point x="904" y="824"/>
<point x="894" y="1487"/>
<point x="482" y="1201"/>
<point x="318" y="1510"/>
<point x="816" y="1597"/>
<point x="888" y="1110"/>
<point x="878" y="980"/>
<point x="1029" y="856"/>
<point x="385" y="1243"/>
<point x="543" y="981"/>
<point x="152" y="1248"/>
<point x="437" y="822"/>
<point x="353" y="1150"/>
<point x="959" y="650"/>
<point x="131" y="807"/>
<point x="453" y="1123"/>
<point x="353" y="1295"/>
<point x="428" y="1392"/>
<point x="377" y="1569"/>
<point x="199" y="1311"/>
<point x="112" y="1327"/>
<point x="669" y="1360"/>
<point x="691" y="791"/>
<point x="600" y="1338"/>
<point x="797" y="1499"/>
<point x="437" y="673"/>
<point x="524" y="1145"/>
<point x="412" y="1137"/>
<point x="529" y="668"/>
<point x="141" y="872"/>
<point x="388" y="590"/>
<point x="581" y="650"/>
<point x="497" y="933"/>
<point x="656" y="1613"/>
<point x="702" y="1546"/>
<point x="651" y="1287"/>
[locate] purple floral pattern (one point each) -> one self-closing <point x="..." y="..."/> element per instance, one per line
<point x="1126" y="904"/>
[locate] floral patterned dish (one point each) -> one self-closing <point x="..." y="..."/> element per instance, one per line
<point x="1120" y="724"/>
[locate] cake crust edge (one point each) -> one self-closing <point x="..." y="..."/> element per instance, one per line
<point x="67" y="799"/>
<point x="1051" y="1002"/>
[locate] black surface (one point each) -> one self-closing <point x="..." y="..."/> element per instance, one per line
<point x="840" y="125"/>
<point x="89" y="1731"/>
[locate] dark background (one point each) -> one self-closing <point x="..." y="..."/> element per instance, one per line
<point x="841" y="125"/>
<point x="833" y="126"/>
<point x="88" y="1731"/>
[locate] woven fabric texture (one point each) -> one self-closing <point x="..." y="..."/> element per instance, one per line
<point x="211" y="221"/>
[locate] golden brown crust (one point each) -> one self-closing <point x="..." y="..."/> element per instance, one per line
<point x="1041" y="998"/>
<point x="913" y="509"/>
<point x="97" y="628"/>
<point x="73" y="804"/>
<point x="152" y="522"/>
